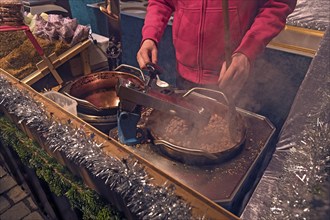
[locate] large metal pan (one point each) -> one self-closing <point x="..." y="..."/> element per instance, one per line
<point x="157" y="122"/>
<point x="95" y="93"/>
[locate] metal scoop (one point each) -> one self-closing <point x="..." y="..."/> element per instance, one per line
<point x="154" y="72"/>
<point x="161" y="83"/>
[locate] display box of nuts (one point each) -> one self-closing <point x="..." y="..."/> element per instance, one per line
<point x="11" y="13"/>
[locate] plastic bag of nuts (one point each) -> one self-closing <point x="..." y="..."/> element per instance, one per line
<point x="11" y="12"/>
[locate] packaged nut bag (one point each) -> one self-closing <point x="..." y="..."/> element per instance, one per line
<point x="11" y="12"/>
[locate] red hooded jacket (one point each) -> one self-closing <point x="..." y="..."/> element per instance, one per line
<point x="198" y="31"/>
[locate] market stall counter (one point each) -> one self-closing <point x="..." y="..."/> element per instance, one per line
<point x="296" y="183"/>
<point x="117" y="173"/>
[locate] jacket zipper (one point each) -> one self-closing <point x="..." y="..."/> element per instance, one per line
<point x="200" y="43"/>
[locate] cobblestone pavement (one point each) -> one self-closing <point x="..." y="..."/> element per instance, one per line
<point x="15" y="203"/>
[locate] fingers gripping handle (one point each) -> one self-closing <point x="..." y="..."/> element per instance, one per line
<point x="153" y="70"/>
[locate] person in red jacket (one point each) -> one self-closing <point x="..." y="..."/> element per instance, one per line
<point x="198" y="37"/>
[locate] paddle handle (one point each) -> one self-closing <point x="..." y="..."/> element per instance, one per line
<point x="225" y="10"/>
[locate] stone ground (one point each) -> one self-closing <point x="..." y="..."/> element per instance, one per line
<point x="15" y="202"/>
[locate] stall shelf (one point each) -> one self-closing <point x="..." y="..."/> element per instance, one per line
<point x="304" y="28"/>
<point x="48" y="64"/>
<point x="297" y="40"/>
<point x="37" y="47"/>
<point x="80" y="48"/>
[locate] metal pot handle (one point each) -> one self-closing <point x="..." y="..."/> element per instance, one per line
<point x="134" y="70"/>
<point x="232" y="117"/>
<point x="228" y="101"/>
<point x="83" y="102"/>
<point x="227" y="98"/>
<point x="185" y="150"/>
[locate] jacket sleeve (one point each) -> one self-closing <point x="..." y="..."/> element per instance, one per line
<point x="269" y="21"/>
<point x="158" y="14"/>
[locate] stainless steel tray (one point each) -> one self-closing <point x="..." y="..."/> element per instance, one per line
<point x="225" y="183"/>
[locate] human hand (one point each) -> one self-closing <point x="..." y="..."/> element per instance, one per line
<point x="232" y="80"/>
<point x="148" y="53"/>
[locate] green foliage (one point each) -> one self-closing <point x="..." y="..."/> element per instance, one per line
<point x="59" y="179"/>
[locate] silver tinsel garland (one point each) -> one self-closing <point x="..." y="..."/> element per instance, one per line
<point x="312" y="15"/>
<point x="305" y="180"/>
<point x="124" y="176"/>
<point x="304" y="191"/>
